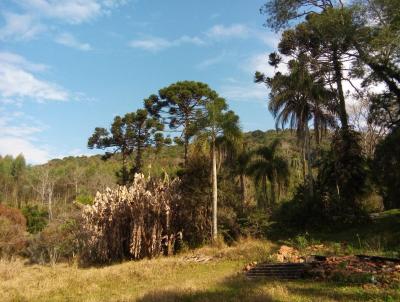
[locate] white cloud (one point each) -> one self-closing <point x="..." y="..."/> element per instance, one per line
<point x="17" y="137"/>
<point x="250" y="92"/>
<point x="17" y="60"/>
<point x="71" y="11"/>
<point x="211" y="61"/>
<point x="15" y="146"/>
<point x="155" y="44"/>
<point x="259" y="62"/>
<point x="35" y="13"/>
<point x="69" y="40"/>
<point x="233" y="31"/>
<point x="18" y="81"/>
<point x="20" y="27"/>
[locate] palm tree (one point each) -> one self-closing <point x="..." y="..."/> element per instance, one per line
<point x="267" y="166"/>
<point x="217" y="125"/>
<point x="295" y="99"/>
<point x="241" y="169"/>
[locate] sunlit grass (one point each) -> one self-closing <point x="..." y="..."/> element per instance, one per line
<point x="173" y="279"/>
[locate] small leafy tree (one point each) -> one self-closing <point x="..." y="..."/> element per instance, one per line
<point x="129" y="134"/>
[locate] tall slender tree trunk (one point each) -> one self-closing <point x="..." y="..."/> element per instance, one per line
<point x="308" y="152"/>
<point x="214" y="191"/>
<point x="338" y="79"/>
<point x="138" y="160"/>
<point x="50" y="203"/>
<point x="243" y="189"/>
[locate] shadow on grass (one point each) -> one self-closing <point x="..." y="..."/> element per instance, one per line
<point x="321" y="291"/>
<point x="237" y="288"/>
<point x="241" y="289"/>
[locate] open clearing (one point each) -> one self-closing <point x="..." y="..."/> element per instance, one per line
<point x="174" y="279"/>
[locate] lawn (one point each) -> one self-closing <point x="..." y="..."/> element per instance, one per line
<point x="175" y="279"/>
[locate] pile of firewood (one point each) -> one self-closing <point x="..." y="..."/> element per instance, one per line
<point x="129" y="222"/>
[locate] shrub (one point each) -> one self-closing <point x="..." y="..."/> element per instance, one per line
<point x="387" y="169"/>
<point x="129" y="223"/>
<point x="58" y="241"/>
<point x="256" y="224"/>
<point x="84" y="199"/>
<point x="36" y="218"/>
<point x="14" y="215"/>
<point x="12" y="232"/>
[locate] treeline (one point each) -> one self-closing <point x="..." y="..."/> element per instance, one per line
<point x="337" y="163"/>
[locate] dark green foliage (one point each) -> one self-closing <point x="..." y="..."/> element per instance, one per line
<point x="339" y="188"/>
<point x="386" y="168"/>
<point x="346" y="168"/>
<point x="60" y="240"/>
<point x="84" y="198"/>
<point x="130" y="134"/>
<point x="255" y="224"/>
<point x="269" y="169"/>
<point x="180" y="105"/>
<point x="36" y="218"/>
<point x="194" y="210"/>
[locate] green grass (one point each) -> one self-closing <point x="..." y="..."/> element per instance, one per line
<point x="174" y="279"/>
<point x="380" y="236"/>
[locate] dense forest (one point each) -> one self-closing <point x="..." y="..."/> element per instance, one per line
<point x="333" y="159"/>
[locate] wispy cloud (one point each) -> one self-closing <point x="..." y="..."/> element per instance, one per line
<point x="71" y="11"/>
<point x="20" y="27"/>
<point x="69" y="40"/>
<point x="232" y="31"/>
<point x="244" y="92"/>
<point x="35" y="14"/>
<point x="155" y="44"/>
<point x="211" y="61"/>
<point x="17" y="80"/>
<point x="18" y="137"/>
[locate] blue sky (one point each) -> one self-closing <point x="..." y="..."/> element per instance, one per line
<point x="69" y="66"/>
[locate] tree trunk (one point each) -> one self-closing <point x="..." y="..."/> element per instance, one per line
<point x="338" y="79"/>
<point x="50" y="201"/>
<point x="138" y="160"/>
<point x="214" y="190"/>
<point x="308" y="152"/>
<point x="243" y="189"/>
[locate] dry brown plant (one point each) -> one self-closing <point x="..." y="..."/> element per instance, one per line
<point x="129" y="222"/>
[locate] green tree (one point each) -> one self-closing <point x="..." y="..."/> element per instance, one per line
<point x="296" y="98"/>
<point x="180" y="105"/>
<point x="129" y="134"/>
<point x="18" y="170"/>
<point x="386" y="165"/>
<point x="267" y="165"/>
<point x="216" y="125"/>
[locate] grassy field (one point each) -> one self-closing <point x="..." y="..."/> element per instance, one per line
<point x="174" y="279"/>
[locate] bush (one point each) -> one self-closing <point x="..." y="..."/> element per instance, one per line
<point x="84" y="199"/>
<point x="58" y="241"/>
<point x="36" y="218"/>
<point x="255" y="225"/>
<point x="386" y="166"/>
<point x="12" y="232"/>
